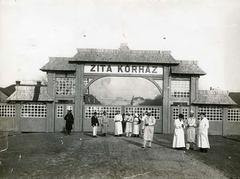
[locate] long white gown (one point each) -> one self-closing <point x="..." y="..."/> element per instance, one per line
<point x="178" y="137"/>
<point x="203" y="133"/>
<point x="118" y="124"/>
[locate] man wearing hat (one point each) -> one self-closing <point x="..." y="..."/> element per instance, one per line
<point x="148" y="129"/>
<point x="191" y="124"/>
<point x="203" y="126"/>
<point x="69" y="121"/>
<point x="95" y="124"/>
<point x="104" y="123"/>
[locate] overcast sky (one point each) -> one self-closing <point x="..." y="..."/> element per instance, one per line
<point x="207" y="31"/>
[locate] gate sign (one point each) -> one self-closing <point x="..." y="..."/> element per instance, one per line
<point x="123" y="69"/>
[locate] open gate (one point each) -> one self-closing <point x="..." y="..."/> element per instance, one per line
<point x="111" y="112"/>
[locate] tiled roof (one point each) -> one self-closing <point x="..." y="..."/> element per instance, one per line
<point x="188" y="68"/>
<point x="8" y="90"/>
<point x="30" y="93"/>
<point x="211" y="97"/>
<point x="124" y="55"/>
<point x="235" y="96"/>
<point x="59" y="64"/>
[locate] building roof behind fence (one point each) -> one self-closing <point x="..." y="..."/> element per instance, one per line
<point x="30" y="93"/>
<point x="8" y="90"/>
<point x="213" y="97"/>
<point x="235" y="97"/>
<point x="188" y="68"/>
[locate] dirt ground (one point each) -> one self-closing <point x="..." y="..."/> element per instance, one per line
<point x="55" y="155"/>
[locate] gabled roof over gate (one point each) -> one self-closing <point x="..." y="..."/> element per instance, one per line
<point x="123" y="55"/>
<point x="213" y="97"/>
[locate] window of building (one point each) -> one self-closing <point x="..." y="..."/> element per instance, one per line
<point x="65" y="86"/>
<point x="7" y="110"/>
<point x="34" y="110"/>
<point x="176" y="111"/>
<point x="180" y="89"/>
<point x="234" y="115"/>
<point x="212" y="113"/>
<point x="60" y="111"/>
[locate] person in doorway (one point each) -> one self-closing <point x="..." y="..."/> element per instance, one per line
<point x="178" y="137"/>
<point x="148" y="129"/>
<point x="129" y="121"/>
<point x="136" y="124"/>
<point x="69" y="121"/>
<point x="118" y="124"/>
<point x="95" y="124"/>
<point x="104" y="123"/>
<point x="191" y="125"/>
<point x="203" y="125"/>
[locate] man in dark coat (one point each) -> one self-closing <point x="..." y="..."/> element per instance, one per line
<point x="69" y="121"/>
<point x="95" y="124"/>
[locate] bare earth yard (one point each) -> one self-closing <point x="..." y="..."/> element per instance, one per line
<point x="55" y="155"/>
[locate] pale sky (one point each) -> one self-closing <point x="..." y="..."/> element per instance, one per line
<point x="207" y="31"/>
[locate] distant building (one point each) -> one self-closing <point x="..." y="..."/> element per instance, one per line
<point x="6" y="92"/>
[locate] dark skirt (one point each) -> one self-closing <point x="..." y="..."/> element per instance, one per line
<point x="68" y="126"/>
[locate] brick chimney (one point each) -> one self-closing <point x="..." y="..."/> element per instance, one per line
<point x="18" y="83"/>
<point x="124" y="47"/>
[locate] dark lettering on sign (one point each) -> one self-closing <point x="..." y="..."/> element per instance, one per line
<point x="154" y="69"/>
<point x="92" y="69"/>
<point x="102" y="67"/>
<point x="134" y="69"/>
<point x="120" y="68"/>
<point x="147" y="70"/>
<point x="109" y="69"/>
<point x="127" y="69"/>
<point x="141" y="69"/>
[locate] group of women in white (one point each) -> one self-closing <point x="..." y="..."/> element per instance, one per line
<point x="196" y="132"/>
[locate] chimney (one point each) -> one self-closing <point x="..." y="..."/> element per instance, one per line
<point x="18" y="83"/>
<point x="124" y="47"/>
<point x="38" y="83"/>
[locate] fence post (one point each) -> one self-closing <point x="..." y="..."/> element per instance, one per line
<point x="225" y="122"/>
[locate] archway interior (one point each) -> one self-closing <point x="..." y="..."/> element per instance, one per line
<point x="134" y="91"/>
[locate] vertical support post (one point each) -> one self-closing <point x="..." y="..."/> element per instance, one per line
<point x="166" y="101"/>
<point x="79" y="97"/>
<point x="225" y="121"/>
<point x="18" y="117"/>
<point x="51" y="106"/>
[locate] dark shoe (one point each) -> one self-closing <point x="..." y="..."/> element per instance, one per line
<point x="149" y="147"/>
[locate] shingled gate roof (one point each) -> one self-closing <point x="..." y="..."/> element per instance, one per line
<point x="123" y="55"/>
<point x="211" y="97"/>
<point x="188" y="68"/>
<point x="30" y="93"/>
<point x="59" y="64"/>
